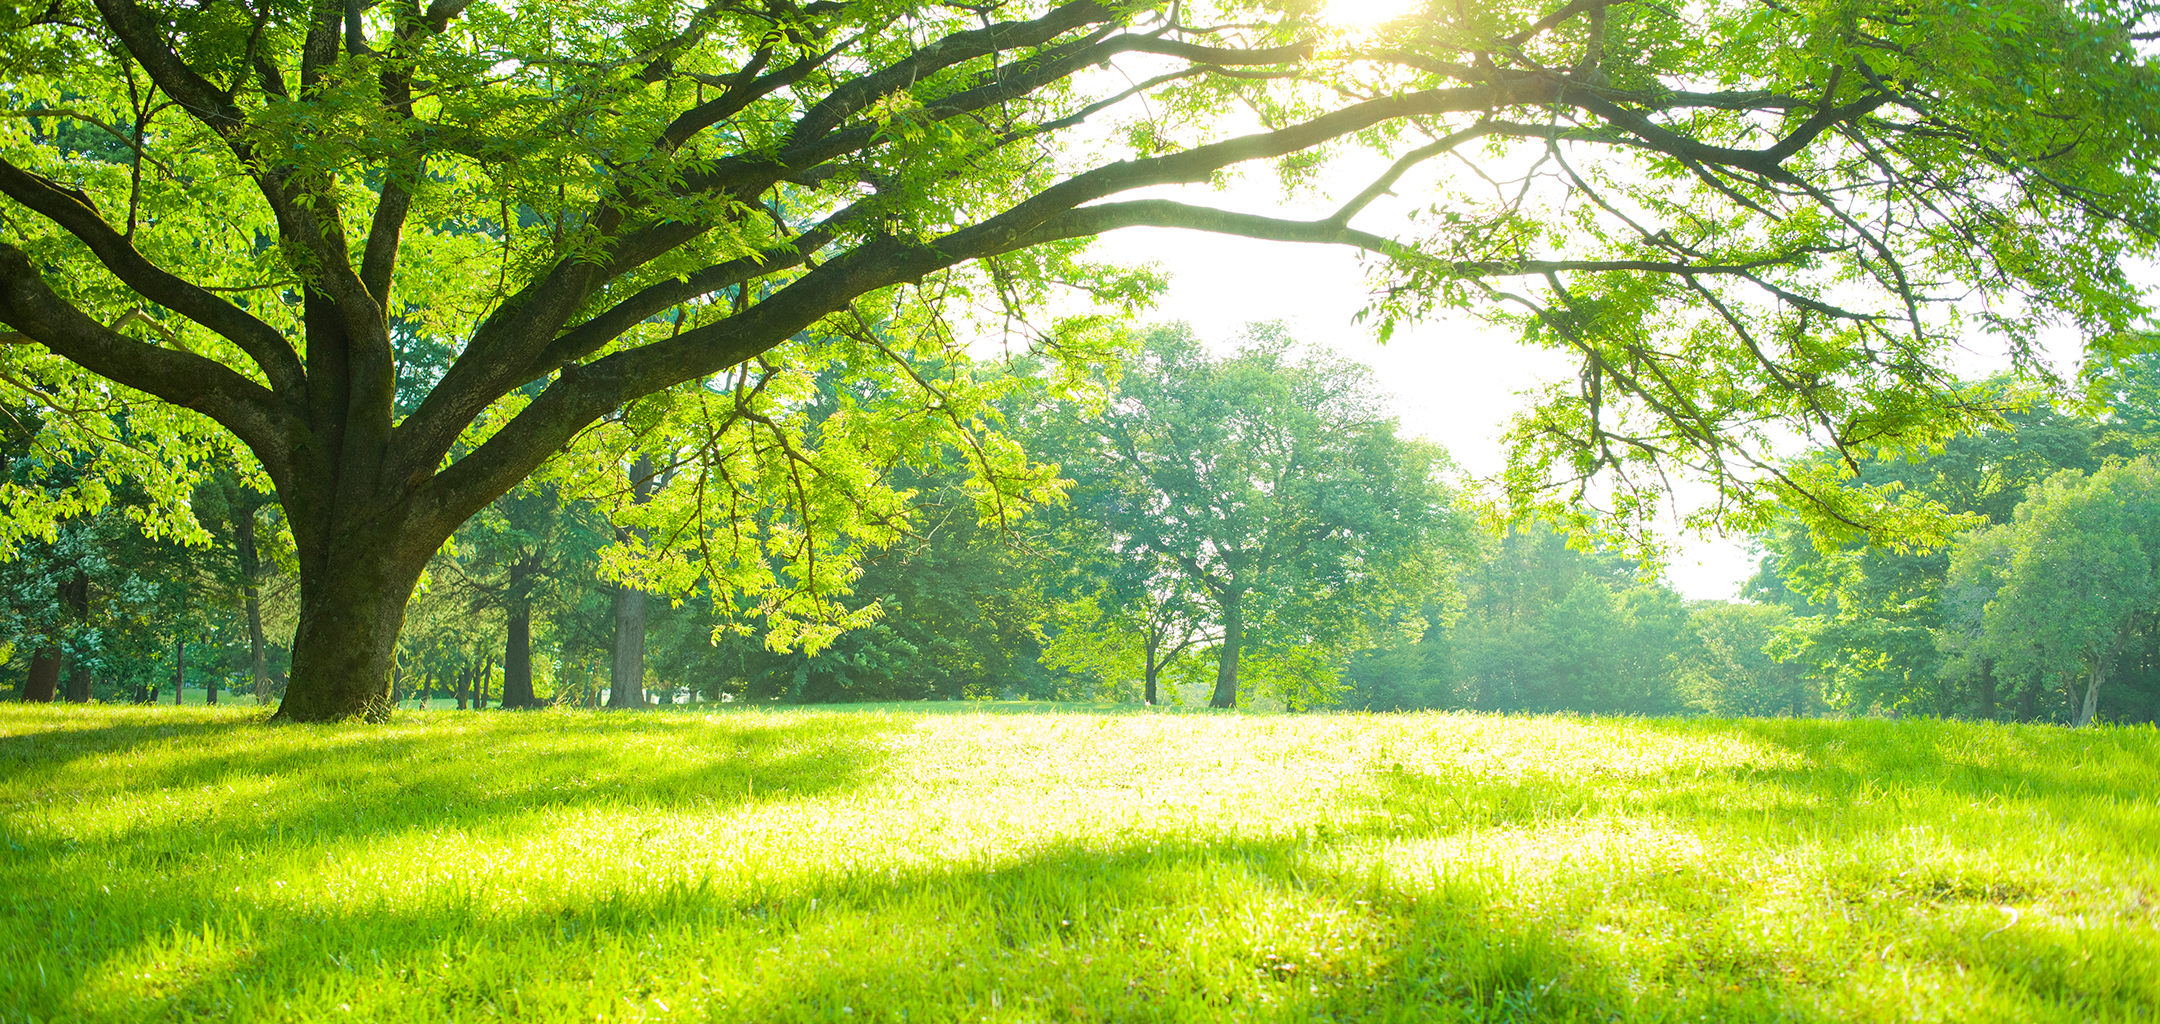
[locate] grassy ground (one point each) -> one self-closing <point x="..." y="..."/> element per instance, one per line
<point x="760" y="865"/>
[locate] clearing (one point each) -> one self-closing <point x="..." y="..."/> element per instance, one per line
<point x="1063" y="864"/>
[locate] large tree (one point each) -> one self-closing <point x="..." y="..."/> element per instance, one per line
<point x="1738" y="213"/>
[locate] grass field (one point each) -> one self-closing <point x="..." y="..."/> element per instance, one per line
<point x="886" y="865"/>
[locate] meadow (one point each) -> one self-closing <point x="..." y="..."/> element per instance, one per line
<point x="944" y="862"/>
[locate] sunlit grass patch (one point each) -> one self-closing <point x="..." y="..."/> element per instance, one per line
<point x="880" y="864"/>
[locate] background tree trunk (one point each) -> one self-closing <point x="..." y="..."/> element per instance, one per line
<point x="251" y="599"/>
<point x="1233" y="637"/>
<point x="75" y="593"/>
<point x="482" y="682"/>
<point x="1987" y="690"/>
<point x="43" y="681"/>
<point x="626" y="670"/>
<point x="2087" y="713"/>
<point x="179" y="686"/>
<point x="517" y="691"/>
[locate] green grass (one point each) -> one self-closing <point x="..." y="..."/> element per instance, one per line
<point x="887" y="865"/>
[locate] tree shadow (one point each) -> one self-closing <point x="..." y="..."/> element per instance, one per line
<point x="1069" y="932"/>
<point x="486" y="774"/>
<point x="1168" y="924"/>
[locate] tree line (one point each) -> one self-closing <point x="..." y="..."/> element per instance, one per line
<point x="1229" y="528"/>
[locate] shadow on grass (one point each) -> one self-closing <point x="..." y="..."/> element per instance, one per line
<point x="1164" y="929"/>
<point x="1163" y="926"/>
<point x="485" y="774"/>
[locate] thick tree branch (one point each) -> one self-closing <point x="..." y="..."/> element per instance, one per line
<point x="72" y="212"/>
<point x="242" y="406"/>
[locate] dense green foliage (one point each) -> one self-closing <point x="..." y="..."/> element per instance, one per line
<point x="2010" y="614"/>
<point x="886" y="866"/>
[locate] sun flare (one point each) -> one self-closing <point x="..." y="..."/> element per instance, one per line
<point x="1359" y="14"/>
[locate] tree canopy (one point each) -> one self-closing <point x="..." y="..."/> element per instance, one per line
<point x="1266" y="486"/>
<point x="1747" y="219"/>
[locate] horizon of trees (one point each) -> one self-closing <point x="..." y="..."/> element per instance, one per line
<point x="1078" y="601"/>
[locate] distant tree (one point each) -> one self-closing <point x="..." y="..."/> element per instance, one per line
<point x="1140" y="624"/>
<point x="526" y="549"/>
<point x="626" y="655"/>
<point x="1867" y="615"/>
<point x="1274" y="487"/>
<point x="2083" y="573"/>
<point x="230" y="510"/>
<point x="1506" y="651"/>
<point x="1728" y="668"/>
<point x="1980" y="563"/>
<point x="1413" y="669"/>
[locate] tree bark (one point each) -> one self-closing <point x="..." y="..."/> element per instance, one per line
<point x="481" y="682"/>
<point x="517" y="691"/>
<point x="1987" y="689"/>
<point x="179" y="686"/>
<point x="626" y="669"/>
<point x="2091" y="708"/>
<point x="75" y="594"/>
<point x="1233" y="637"/>
<point x="347" y="639"/>
<point x="43" y="681"/>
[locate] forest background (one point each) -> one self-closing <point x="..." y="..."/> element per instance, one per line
<point x="1422" y="604"/>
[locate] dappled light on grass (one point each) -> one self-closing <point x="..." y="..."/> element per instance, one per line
<point x="821" y="865"/>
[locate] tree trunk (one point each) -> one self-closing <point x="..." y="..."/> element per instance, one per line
<point x="210" y="688"/>
<point x="2089" y="711"/>
<point x="43" y="683"/>
<point x="1987" y="689"/>
<point x="464" y="688"/>
<point x="517" y="691"/>
<point x="1233" y="637"/>
<point x="75" y="593"/>
<point x="1153" y="672"/>
<point x="251" y="599"/>
<point x="179" y="685"/>
<point x="485" y="679"/>
<point x="626" y="671"/>
<point x="347" y="638"/>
